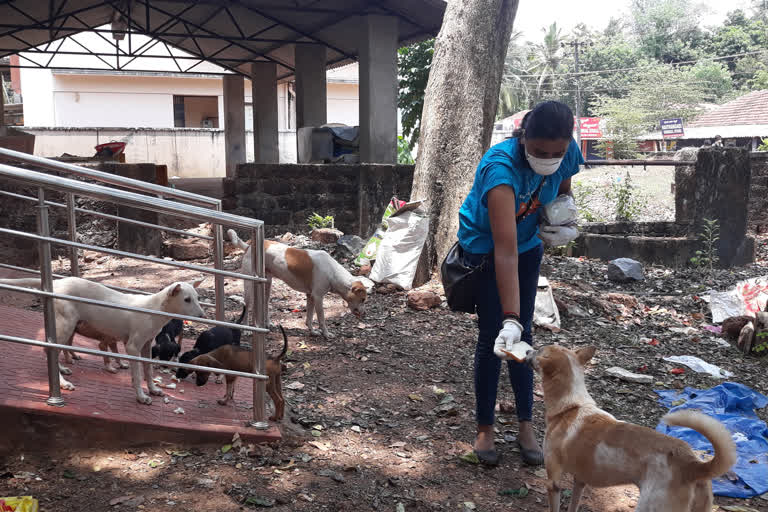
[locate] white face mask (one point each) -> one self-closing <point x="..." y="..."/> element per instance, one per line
<point x="544" y="166"/>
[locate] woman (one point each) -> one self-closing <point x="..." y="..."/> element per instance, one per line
<point x="499" y="224"/>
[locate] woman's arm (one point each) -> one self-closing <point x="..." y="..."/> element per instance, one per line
<point x="502" y="211"/>
<point x="565" y="188"/>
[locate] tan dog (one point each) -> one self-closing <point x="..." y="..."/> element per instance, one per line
<point x="235" y="357"/>
<point x="105" y="342"/>
<point x="600" y="451"/>
<point x="312" y="272"/>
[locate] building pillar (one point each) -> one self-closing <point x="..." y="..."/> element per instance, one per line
<point x="378" y="90"/>
<point x="266" y="142"/>
<point x="234" y="122"/>
<point x="311" y="86"/>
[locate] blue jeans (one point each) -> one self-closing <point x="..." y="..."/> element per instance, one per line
<point x="489" y="318"/>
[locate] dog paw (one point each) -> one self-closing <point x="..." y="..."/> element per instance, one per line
<point x="110" y="369"/>
<point x="124" y="365"/>
<point x="64" y="370"/>
<point x="328" y="335"/>
<point x="64" y="384"/>
<point x="154" y="390"/>
<point x="144" y="399"/>
<point x="315" y="332"/>
<point x="275" y="418"/>
<point x="222" y="401"/>
<point x="76" y="356"/>
<point x="219" y="379"/>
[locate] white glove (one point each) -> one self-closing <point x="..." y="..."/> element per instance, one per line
<point x="556" y="236"/>
<point x="510" y="333"/>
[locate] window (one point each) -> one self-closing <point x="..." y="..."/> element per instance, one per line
<point x="196" y="111"/>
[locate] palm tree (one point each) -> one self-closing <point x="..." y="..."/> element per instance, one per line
<point x="547" y="59"/>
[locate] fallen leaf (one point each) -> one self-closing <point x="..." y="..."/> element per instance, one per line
<point x="678" y="402"/>
<point x="738" y="508"/>
<point x="677" y="371"/>
<point x="541" y="473"/>
<point x="654" y="342"/>
<point x="415" y="397"/>
<point x="119" y="500"/>
<point x="400" y="508"/>
<point x="260" y="501"/>
<point x="520" y="493"/>
<point x="470" y="457"/>
<point x="154" y="463"/>
<point x="398" y="444"/>
<point x="226" y="448"/>
<point x="180" y="454"/>
<point x="68" y="474"/>
<point x="295" y="386"/>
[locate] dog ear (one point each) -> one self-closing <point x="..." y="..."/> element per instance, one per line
<point x="197" y="283"/>
<point x="358" y="289"/>
<point x="584" y="354"/>
<point x="175" y="290"/>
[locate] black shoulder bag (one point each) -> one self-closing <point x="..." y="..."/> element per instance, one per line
<point x="459" y="277"/>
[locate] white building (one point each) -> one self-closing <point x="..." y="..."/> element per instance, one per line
<point x="165" y="117"/>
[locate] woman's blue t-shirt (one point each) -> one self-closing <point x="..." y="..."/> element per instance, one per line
<point x="503" y="164"/>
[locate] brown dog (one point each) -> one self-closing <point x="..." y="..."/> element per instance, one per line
<point x="600" y="451"/>
<point x="235" y="357"/>
<point x="105" y="342"/>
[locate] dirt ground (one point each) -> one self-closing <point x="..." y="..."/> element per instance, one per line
<point x="386" y="409"/>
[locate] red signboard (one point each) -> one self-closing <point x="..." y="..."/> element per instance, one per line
<point x="590" y="128"/>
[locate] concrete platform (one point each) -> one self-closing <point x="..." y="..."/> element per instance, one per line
<point x="103" y="408"/>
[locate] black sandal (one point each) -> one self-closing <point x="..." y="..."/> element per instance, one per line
<point x="488" y="457"/>
<point x="531" y="457"/>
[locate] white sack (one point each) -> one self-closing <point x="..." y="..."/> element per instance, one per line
<point x="401" y="247"/>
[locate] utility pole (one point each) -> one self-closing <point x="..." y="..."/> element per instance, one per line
<point x="578" y="47"/>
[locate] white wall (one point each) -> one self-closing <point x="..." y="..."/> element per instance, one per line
<point x="37" y="89"/>
<point x="343" y="101"/>
<point x="188" y="153"/>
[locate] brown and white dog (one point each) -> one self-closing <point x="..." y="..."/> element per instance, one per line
<point x="136" y="329"/>
<point x="312" y="272"/>
<point x="600" y="451"/>
<point x="235" y="357"/>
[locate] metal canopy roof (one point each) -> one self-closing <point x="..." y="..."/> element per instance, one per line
<point x="228" y="33"/>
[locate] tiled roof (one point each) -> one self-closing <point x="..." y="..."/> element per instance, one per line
<point x="749" y="109"/>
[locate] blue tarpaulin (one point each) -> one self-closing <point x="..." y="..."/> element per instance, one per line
<point x="734" y="405"/>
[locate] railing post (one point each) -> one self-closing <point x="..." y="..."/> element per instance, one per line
<point x="218" y="259"/>
<point x="46" y="284"/>
<point x="259" y="309"/>
<point x="74" y="266"/>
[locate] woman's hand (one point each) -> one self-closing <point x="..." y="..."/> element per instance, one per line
<point x="509" y="335"/>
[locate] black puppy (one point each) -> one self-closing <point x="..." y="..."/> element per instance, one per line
<point x="210" y="340"/>
<point x="166" y="346"/>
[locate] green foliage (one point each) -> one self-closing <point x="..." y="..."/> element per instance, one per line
<point x="764" y="145"/>
<point x="627" y="201"/>
<point x="413" y="63"/>
<point x="404" y="155"/>
<point x="764" y="345"/>
<point x="709" y="236"/>
<point x="316" y="221"/>
<point x="585" y="197"/>
<point x="667" y="30"/>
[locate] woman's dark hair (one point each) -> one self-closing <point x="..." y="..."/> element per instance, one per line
<point x="548" y="120"/>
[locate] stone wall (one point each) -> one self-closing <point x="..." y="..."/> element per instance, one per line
<point x="758" y="200"/>
<point x="284" y="196"/>
<point x="21" y="215"/>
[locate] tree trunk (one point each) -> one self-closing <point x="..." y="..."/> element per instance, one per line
<point x="459" y="110"/>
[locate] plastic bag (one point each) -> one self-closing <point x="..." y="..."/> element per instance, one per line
<point x="401" y="247"/>
<point x="19" y="504"/>
<point x="371" y="247"/>
<point x="561" y="212"/>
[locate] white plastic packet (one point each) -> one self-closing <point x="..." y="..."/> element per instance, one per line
<point x="700" y="366"/>
<point x="401" y="247"/>
<point x="561" y="212"/>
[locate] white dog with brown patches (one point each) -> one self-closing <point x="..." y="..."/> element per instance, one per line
<point x="600" y="451"/>
<point x="137" y="330"/>
<point x="312" y="272"/>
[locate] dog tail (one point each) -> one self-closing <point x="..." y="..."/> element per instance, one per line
<point x="285" y="344"/>
<point x="716" y="433"/>
<point x="236" y="240"/>
<point x="26" y="282"/>
<point x="242" y="315"/>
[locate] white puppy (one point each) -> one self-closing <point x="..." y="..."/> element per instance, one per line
<point x="312" y="272"/>
<point x="136" y="329"/>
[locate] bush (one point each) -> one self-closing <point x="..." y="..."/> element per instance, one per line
<point x="628" y="203"/>
<point x="315" y="221"/>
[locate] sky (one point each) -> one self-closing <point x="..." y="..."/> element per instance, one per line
<point x="533" y="15"/>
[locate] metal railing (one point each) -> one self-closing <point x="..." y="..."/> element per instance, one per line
<point x="255" y="280"/>
<point x="129" y="183"/>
